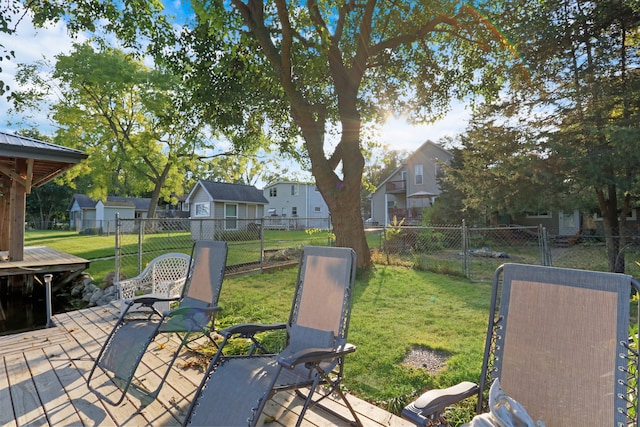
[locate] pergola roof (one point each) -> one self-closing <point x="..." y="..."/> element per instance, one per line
<point x="25" y="163"/>
<point x="44" y="160"/>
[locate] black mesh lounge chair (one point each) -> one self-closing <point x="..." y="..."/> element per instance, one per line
<point x="559" y="342"/>
<point x="127" y="343"/>
<point x="235" y="389"/>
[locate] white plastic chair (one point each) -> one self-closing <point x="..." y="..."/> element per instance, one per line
<point x="164" y="277"/>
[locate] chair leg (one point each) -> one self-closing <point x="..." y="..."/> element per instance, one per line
<point x="334" y="386"/>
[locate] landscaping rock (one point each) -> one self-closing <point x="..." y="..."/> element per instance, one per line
<point x="95" y="296"/>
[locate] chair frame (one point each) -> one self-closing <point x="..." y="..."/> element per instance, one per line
<point x="312" y="358"/>
<point x="189" y="311"/>
<point x="430" y="407"/>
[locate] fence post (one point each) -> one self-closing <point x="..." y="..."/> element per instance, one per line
<point x="543" y="239"/>
<point x="118" y="252"/>
<point x="465" y="250"/>
<point x="140" y="237"/>
<point x="261" y="245"/>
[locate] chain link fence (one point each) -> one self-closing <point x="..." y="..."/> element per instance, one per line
<point x="254" y="244"/>
<point x="475" y="252"/>
<point x="472" y="252"/>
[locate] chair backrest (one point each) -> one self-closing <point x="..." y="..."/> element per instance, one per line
<point x="203" y="286"/>
<point x="322" y="303"/>
<point x="560" y="343"/>
<point x="167" y="269"/>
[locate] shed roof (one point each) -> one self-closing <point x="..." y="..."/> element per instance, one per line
<point x="223" y="191"/>
<point x="86" y="202"/>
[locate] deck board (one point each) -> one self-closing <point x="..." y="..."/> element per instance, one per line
<point x="43" y="374"/>
<point x="40" y="338"/>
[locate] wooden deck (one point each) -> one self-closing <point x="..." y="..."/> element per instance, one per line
<point x="41" y="259"/>
<point x="42" y="382"/>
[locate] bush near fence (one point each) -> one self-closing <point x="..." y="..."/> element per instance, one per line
<point x="471" y="252"/>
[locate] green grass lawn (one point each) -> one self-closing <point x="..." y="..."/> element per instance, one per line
<point x="394" y="309"/>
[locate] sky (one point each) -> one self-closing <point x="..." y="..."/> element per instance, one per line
<point x="32" y="44"/>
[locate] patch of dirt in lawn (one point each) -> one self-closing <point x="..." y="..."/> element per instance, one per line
<point x="425" y="358"/>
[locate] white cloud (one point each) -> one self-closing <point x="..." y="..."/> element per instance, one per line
<point x="29" y="45"/>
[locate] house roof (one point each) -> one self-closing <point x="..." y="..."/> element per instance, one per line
<point x="273" y="184"/>
<point x="46" y="160"/>
<point x="86" y="202"/>
<point x="223" y="191"/>
<point x="140" y="203"/>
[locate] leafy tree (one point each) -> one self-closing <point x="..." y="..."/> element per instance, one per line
<point x="47" y="204"/>
<point x="575" y="126"/>
<point x="319" y="70"/>
<point x="452" y="205"/>
<point x="308" y="68"/>
<point x="132" y="121"/>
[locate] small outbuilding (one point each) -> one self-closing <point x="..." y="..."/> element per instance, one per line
<point x="99" y="216"/>
<point x="224" y="207"/>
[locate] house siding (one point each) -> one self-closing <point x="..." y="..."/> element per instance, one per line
<point x="247" y="199"/>
<point x="408" y="199"/>
<point x="305" y="202"/>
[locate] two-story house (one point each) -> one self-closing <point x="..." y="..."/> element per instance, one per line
<point x="296" y="205"/>
<point x="411" y="188"/>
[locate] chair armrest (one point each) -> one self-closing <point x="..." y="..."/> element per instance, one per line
<point x="186" y="311"/>
<point x="247" y="330"/>
<point x="148" y="300"/>
<point x="433" y="402"/>
<point x="315" y="354"/>
<point x="128" y="287"/>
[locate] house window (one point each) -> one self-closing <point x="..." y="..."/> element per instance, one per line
<point x="202" y="210"/>
<point x="419" y="174"/>
<point x="631" y="215"/>
<point x="294" y="211"/>
<point x="273" y="192"/>
<point x="294" y="190"/>
<point x="317" y="209"/>
<point x="541" y="214"/>
<point x="284" y="211"/>
<point x="230" y="217"/>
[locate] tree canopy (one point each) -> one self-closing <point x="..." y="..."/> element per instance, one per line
<point x="574" y="128"/>
<point x="133" y="122"/>
<point x="316" y="72"/>
<point x="312" y="74"/>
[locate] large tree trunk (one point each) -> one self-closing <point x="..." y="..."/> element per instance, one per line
<point x="344" y="205"/>
<point x="341" y="195"/>
<point x="613" y="229"/>
<point x="158" y="184"/>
